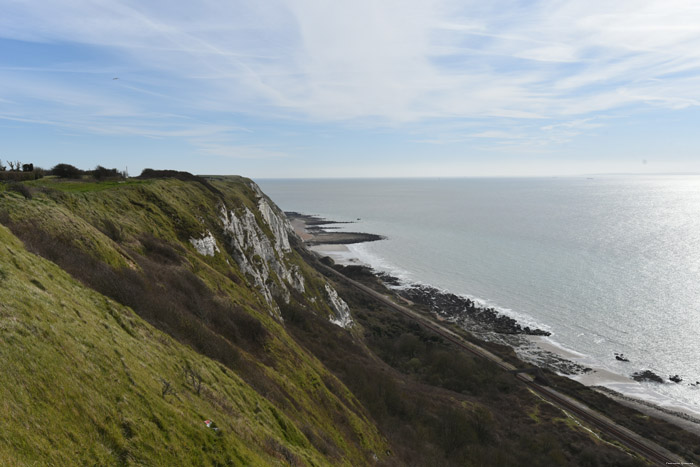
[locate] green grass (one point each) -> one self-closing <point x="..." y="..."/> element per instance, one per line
<point x="83" y="186"/>
<point x="85" y="373"/>
<point x="82" y="380"/>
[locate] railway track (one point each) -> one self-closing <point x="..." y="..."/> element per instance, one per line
<point x="633" y="441"/>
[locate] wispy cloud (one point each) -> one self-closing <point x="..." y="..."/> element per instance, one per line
<point x="239" y="151"/>
<point x="390" y="63"/>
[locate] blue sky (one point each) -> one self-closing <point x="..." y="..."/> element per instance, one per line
<point x="362" y="88"/>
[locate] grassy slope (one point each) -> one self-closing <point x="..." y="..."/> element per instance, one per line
<point x="311" y="415"/>
<point x="82" y="382"/>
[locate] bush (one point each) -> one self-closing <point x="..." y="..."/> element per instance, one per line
<point x="17" y="176"/>
<point x="103" y="173"/>
<point x="20" y="188"/>
<point x="66" y="171"/>
<point x="39" y="173"/>
<point x="112" y="230"/>
<point x="147" y="174"/>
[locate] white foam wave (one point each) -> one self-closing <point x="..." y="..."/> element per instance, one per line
<point x="364" y="254"/>
<point x="672" y="397"/>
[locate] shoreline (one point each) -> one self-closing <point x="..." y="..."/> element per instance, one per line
<point x="314" y="231"/>
<point x="532" y="346"/>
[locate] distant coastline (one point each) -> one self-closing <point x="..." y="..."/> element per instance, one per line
<point x="314" y="231"/>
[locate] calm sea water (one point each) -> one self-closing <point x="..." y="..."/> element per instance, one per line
<point x="610" y="264"/>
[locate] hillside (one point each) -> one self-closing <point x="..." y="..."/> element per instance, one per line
<point x="84" y="375"/>
<point x="132" y="311"/>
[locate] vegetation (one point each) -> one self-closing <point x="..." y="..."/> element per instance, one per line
<point x="118" y="340"/>
<point x="438" y="406"/>
<point x="130" y="242"/>
<point x="66" y="171"/>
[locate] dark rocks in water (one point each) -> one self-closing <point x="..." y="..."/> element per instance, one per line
<point x="453" y="306"/>
<point x="647" y="375"/>
<point x="388" y="279"/>
<point x="621" y="357"/>
<point x="675" y="378"/>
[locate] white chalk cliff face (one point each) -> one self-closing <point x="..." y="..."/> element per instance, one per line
<point x="264" y="258"/>
<point x="342" y="317"/>
<point x="261" y="258"/>
<point x="206" y="245"/>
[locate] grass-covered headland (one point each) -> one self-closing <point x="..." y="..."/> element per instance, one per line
<point x="132" y="310"/>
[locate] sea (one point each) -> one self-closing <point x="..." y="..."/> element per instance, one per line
<point x="608" y="264"/>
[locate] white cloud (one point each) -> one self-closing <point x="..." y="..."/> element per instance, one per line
<point x="388" y="62"/>
<point x="238" y="151"/>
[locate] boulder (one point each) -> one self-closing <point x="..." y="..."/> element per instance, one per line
<point x="647" y="375"/>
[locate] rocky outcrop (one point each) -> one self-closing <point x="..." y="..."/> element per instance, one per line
<point x="621" y="357"/>
<point x="647" y="375"/>
<point x="206" y="245"/>
<point x="263" y="256"/>
<point x="454" y="307"/>
<point x="280" y="226"/>
<point x="342" y="316"/>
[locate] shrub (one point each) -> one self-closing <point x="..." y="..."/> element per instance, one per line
<point x="112" y="230"/>
<point x="20" y="188"/>
<point x="66" y="171"/>
<point x="17" y="176"/>
<point x="103" y="173"/>
<point x="179" y="175"/>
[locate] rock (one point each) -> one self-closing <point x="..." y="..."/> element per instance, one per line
<point x="647" y="375"/>
<point x="675" y="378"/>
<point x="206" y="245"/>
<point x="342" y="311"/>
<point x="621" y="357"/>
<point x="448" y="305"/>
<point x="260" y="256"/>
<point x="389" y="279"/>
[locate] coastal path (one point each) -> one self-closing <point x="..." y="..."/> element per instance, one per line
<point x="643" y="447"/>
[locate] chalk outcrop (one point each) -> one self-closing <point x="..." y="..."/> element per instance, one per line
<point x="342" y="316"/>
<point x="263" y="256"/>
<point x="206" y="245"/>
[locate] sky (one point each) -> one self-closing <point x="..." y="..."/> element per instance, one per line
<point x="361" y="88"/>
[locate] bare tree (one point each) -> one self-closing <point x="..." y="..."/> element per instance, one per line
<point x="193" y="377"/>
<point x="2" y="167"/>
<point x="166" y="389"/>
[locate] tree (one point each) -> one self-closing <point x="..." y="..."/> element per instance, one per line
<point x="66" y="171"/>
<point x="101" y="173"/>
<point x="166" y="389"/>
<point x="193" y="377"/>
<point x="2" y="167"/>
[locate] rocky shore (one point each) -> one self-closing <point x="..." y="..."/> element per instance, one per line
<point x="454" y="307"/>
<point x="484" y="322"/>
<point x="487" y="323"/>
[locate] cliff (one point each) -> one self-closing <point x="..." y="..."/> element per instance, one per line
<point x="132" y="312"/>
